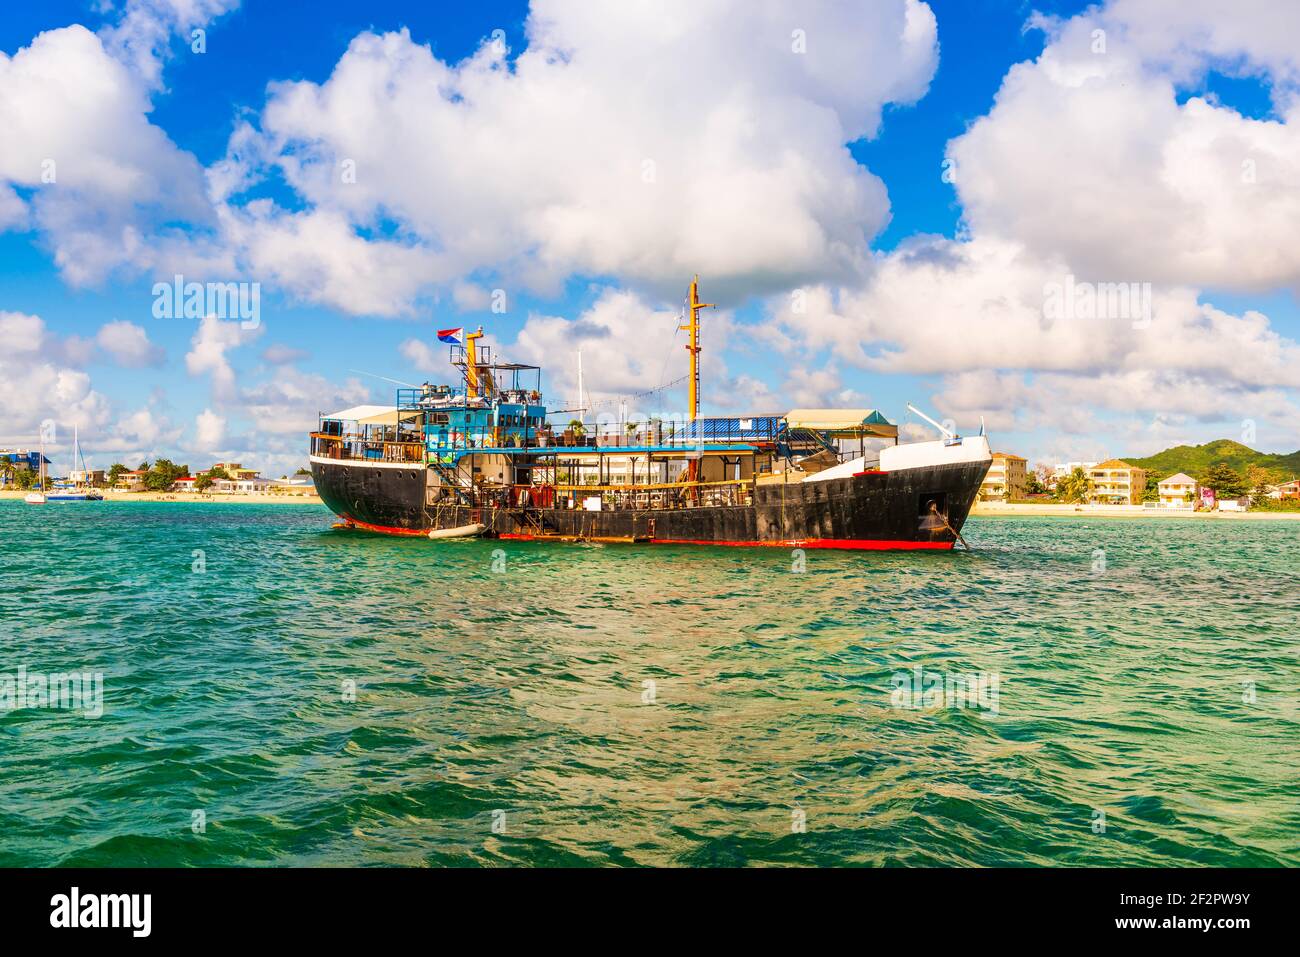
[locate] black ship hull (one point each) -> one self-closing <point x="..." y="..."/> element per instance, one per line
<point x="913" y="508"/>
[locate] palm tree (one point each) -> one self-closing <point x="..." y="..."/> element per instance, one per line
<point x="6" y="470"/>
<point x="1075" y="487"/>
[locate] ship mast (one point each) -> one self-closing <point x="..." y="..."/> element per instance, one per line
<point x="471" y="362"/>
<point x="693" y="325"/>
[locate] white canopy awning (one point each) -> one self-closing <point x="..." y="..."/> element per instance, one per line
<point x="359" y="412"/>
<point x="372" y="415"/>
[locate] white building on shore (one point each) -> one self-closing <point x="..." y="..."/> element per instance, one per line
<point x="1061" y="469"/>
<point x="251" y="485"/>
<point x="1178" y="491"/>
<point x="295" y="485"/>
<point x="1005" y="479"/>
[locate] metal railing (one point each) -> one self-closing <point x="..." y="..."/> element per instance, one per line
<point x="656" y="496"/>
<point x="360" y="448"/>
<point x="761" y="428"/>
<point x="733" y="431"/>
<point x="425" y="397"/>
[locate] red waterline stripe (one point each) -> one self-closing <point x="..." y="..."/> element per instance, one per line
<point x="383" y="529"/>
<point x="869" y="472"/>
<point x="853" y="544"/>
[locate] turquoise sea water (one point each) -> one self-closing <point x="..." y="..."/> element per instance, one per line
<point x="526" y="703"/>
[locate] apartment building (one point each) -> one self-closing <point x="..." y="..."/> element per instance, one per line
<point x="16" y="460"/>
<point x="1115" y="482"/>
<point x="1005" y="479"/>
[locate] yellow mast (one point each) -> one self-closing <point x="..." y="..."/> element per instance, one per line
<point x="471" y="362"/>
<point x="693" y="325"/>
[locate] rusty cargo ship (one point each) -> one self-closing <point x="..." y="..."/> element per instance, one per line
<point x="481" y="456"/>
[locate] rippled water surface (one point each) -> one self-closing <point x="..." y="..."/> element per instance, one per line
<point x="565" y="704"/>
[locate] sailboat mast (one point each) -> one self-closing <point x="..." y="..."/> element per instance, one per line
<point x="582" y="405"/>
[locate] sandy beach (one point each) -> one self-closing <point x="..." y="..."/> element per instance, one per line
<point x="985" y="509"/>
<point x="228" y="499"/>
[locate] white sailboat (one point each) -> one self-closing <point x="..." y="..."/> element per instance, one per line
<point x="76" y="493"/>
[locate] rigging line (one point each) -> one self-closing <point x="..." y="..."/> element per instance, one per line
<point x="384" y="377"/>
<point x="677" y="329"/>
<point x="588" y="405"/>
<point x="636" y="395"/>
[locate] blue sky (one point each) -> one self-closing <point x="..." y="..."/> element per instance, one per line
<point x="201" y="101"/>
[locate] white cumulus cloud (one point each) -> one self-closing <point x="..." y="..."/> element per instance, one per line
<point x="1095" y="167"/>
<point x="209" y="430"/>
<point x="1117" y="177"/>
<point x="636" y="140"/>
<point x="38" y="383"/>
<point x="208" y="348"/>
<point x="128" y="344"/>
<point x="106" y="180"/>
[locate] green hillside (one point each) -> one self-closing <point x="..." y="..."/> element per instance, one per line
<point x="1195" y="459"/>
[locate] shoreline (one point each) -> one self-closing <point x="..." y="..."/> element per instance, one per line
<point x="997" y="509"/>
<point x="195" y="498"/>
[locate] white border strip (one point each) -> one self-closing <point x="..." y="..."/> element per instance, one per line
<point x="361" y="464"/>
